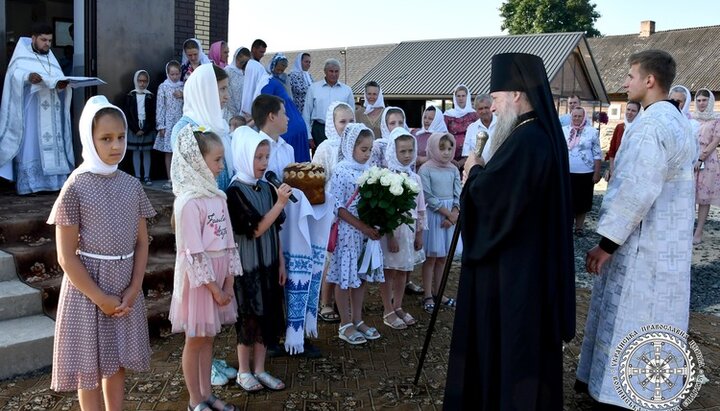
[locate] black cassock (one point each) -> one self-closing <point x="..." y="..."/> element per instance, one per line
<point x="516" y="297"/>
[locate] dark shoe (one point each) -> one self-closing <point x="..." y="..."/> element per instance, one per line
<point x="275" y="350"/>
<point x="581" y="387"/>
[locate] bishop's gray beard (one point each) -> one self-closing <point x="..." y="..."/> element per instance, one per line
<point x="505" y="124"/>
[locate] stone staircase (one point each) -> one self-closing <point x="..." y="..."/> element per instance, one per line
<point x="26" y="334"/>
<point x="30" y="278"/>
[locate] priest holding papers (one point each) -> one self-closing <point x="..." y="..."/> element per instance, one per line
<point x="36" y="148"/>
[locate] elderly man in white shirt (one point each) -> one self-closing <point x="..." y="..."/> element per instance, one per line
<point x="486" y="123"/>
<point x="319" y="96"/>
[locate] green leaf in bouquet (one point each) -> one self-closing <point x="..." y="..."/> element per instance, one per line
<point x="373" y="202"/>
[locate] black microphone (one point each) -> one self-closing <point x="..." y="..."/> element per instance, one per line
<point x="272" y="179"/>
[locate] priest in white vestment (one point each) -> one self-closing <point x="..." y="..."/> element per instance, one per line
<point x="646" y="223"/>
<point x="35" y="132"/>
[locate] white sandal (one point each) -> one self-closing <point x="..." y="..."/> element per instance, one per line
<point x="370" y="333"/>
<point x="354" y="338"/>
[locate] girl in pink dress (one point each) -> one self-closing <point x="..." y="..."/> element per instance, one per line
<point x="207" y="260"/>
<point x="102" y="246"/>
<point x="707" y="167"/>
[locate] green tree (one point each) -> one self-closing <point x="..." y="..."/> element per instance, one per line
<point x="549" y="16"/>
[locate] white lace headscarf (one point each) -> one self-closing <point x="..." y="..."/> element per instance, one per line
<point x="379" y="103"/>
<point x="204" y="59"/>
<point x="391" y="153"/>
<point x="91" y="161"/>
<point x="682" y="89"/>
<point x="347" y="146"/>
<point x="330" y="131"/>
<point x="297" y="67"/>
<point x="384" y="130"/>
<point x="191" y="178"/>
<point x="438" y="124"/>
<point x="244" y="144"/>
<point x="457" y="111"/>
<point x="708" y="113"/>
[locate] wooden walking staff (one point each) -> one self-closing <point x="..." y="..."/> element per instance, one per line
<point x="481" y="140"/>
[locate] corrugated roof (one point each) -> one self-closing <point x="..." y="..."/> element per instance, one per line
<point x="696" y="52"/>
<point x="357" y="60"/>
<point x="435" y="67"/>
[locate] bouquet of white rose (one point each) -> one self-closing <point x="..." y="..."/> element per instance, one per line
<point x="386" y="199"/>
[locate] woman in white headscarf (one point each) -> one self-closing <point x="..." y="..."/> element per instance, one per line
<point x="193" y="56"/>
<point x="256" y="77"/>
<point x="433" y="121"/>
<point x="372" y="109"/>
<point x="460" y="116"/>
<point x="632" y="112"/>
<point x="205" y="94"/>
<point x="707" y="167"/>
<point x="300" y="79"/>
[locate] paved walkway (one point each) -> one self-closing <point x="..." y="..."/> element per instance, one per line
<point x="374" y="376"/>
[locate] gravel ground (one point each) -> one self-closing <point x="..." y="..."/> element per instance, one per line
<point x="705" y="281"/>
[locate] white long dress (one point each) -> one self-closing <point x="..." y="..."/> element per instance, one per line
<point x="649" y="211"/>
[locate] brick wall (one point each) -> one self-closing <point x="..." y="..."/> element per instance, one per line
<point x="219" y="21"/>
<point x="206" y="20"/>
<point x="184" y="23"/>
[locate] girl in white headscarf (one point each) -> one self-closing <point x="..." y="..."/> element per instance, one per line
<point x="339" y="115"/>
<point x="433" y="121"/>
<point x="140" y="112"/>
<point x="193" y="56"/>
<point x="300" y="79"/>
<point x="392" y="117"/>
<point x="206" y="262"/>
<point x="707" y="167"/>
<point x="401" y="247"/>
<point x="102" y="245"/>
<point x="352" y="233"/>
<point x="327" y="154"/>
<point x="460" y="116"/>
<point x="256" y="212"/>
<point x="168" y="112"/>
<point x="205" y="94"/>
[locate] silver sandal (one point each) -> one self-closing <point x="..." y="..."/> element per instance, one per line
<point x="269" y="381"/>
<point x="354" y="338"/>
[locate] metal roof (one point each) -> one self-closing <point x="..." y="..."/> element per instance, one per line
<point x="696" y="52"/>
<point x="432" y="68"/>
<point x="356" y="60"/>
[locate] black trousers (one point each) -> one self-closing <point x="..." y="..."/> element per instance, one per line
<point x="318" y="132"/>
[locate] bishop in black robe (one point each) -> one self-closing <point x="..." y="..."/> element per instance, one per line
<point x="516" y="297"/>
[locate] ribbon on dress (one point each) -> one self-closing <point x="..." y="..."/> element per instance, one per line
<point x="371" y="260"/>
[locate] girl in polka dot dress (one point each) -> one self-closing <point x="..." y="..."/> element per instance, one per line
<point x="207" y="260"/>
<point x="102" y="245"/>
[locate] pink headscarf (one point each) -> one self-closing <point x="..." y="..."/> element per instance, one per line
<point x="433" y="151"/>
<point x="575" y="131"/>
<point x="215" y="54"/>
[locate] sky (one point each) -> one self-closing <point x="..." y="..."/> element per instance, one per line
<point x="287" y="25"/>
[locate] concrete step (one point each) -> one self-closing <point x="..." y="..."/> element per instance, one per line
<point x="18" y="299"/>
<point x="28" y="341"/>
<point x="7" y="267"/>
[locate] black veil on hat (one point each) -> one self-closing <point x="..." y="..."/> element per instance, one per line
<point x="526" y="73"/>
